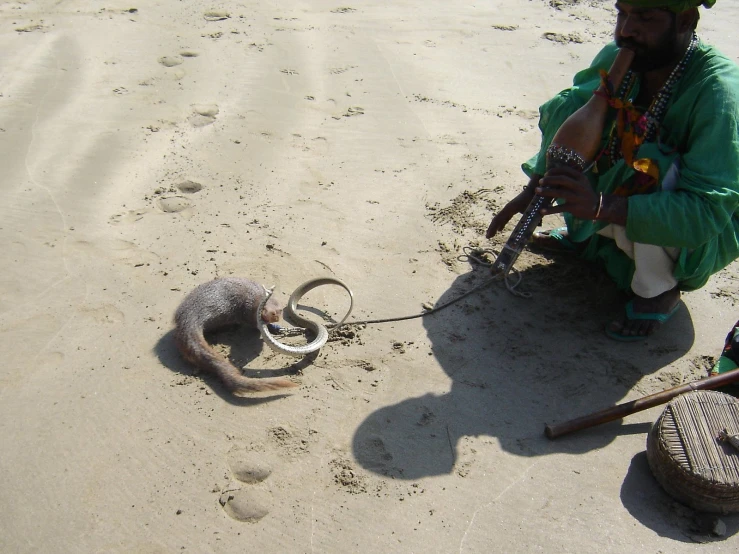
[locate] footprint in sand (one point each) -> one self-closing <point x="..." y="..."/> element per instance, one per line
<point x="170" y="61"/>
<point x="249" y="466"/>
<point x="173" y="204"/>
<point x="130" y="216"/>
<point x="252" y="468"/>
<point x="216" y="15"/>
<point x="203" y="114"/>
<point x="189" y="187"/>
<point x="245" y="505"/>
<point x="352" y="111"/>
<point x="375" y="455"/>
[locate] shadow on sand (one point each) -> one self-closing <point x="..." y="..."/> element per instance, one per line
<point x="516" y="364"/>
<point x="245" y="346"/>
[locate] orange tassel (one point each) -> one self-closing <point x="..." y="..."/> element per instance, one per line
<point x="645" y="165"/>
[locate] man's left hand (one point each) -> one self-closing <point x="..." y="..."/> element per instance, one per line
<point x="573" y="187"/>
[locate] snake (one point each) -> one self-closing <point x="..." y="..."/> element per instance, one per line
<point x="291" y="314"/>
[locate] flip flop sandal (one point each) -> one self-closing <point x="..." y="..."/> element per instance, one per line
<point x="564" y="244"/>
<point x="631" y="315"/>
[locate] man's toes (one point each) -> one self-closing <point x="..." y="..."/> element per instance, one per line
<point x="634" y="329"/>
<point x="652" y="327"/>
<point x="645" y="328"/>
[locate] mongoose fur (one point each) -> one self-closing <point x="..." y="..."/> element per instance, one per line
<point x="216" y="304"/>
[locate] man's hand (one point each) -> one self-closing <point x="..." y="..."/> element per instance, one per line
<point x="517" y="205"/>
<point x="573" y="187"/>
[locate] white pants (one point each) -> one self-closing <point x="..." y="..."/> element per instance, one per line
<point x="654" y="264"/>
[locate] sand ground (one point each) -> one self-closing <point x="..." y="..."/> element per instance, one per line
<point x="149" y="147"/>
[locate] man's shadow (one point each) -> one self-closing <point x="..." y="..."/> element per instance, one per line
<point x="245" y="345"/>
<point x="516" y="364"/>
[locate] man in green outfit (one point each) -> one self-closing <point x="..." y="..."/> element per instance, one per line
<point x="659" y="207"/>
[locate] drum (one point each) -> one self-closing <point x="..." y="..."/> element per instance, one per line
<point x="687" y="455"/>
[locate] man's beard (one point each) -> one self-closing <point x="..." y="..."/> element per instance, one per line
<point x="656" y="57"/>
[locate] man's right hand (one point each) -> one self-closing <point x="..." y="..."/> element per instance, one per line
<point x="516" y="206"/>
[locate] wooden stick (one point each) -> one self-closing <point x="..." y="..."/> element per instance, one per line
<point x="621" y="410"/>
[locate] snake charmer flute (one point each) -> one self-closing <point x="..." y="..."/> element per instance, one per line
<point x="575" y="144"/>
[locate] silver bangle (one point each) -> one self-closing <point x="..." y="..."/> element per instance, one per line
<point x="600" y="207"/>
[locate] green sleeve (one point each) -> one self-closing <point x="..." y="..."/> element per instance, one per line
<point x="707" y="191"/>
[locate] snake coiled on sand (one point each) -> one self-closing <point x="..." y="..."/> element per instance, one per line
<point x="291" y="314"/>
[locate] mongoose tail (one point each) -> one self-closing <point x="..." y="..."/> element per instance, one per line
<point x="195" y="349"/>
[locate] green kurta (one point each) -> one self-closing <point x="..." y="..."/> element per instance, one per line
<point x="701" y="129"/>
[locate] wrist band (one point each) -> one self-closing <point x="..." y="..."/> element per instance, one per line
<point x="600" y="207"/>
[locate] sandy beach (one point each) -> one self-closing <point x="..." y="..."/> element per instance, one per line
<point x="147" y="148"/>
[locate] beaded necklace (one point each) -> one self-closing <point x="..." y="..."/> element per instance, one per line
<point x="648" y="124"/>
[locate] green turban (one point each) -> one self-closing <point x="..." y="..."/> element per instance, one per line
<point x="676" y="6"/>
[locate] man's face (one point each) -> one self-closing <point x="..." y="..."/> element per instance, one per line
<point x="650" y="32"/>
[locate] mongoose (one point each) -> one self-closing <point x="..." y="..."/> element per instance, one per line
<point x="216" y="304"/>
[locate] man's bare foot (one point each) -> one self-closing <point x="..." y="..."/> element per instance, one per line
<point x="644" y="316"/>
